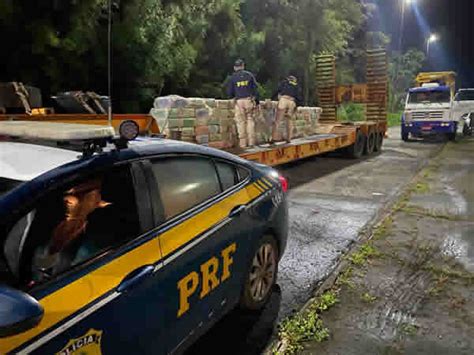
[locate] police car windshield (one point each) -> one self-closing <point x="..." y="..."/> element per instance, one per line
<point x="429" y="97"/>
<point x="7" y="185"/>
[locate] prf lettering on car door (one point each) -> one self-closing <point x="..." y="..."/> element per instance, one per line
<point x="207" y="277"/>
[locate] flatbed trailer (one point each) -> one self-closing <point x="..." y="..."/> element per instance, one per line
<point x="356" y="137"/>
<point x="337" y="137"/>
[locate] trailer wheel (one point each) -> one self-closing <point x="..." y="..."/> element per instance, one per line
<point x="356" y="150"/>
<point x="378" y="142"/>
<point x="370" y="144"/>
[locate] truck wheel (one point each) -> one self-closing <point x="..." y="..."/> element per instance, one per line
<point x="370" y="144"/>
<point x="261" y="276"/>
<point x="378" y="142"/>
<point x="405" y="136"/>
<point x="356" y="150"/>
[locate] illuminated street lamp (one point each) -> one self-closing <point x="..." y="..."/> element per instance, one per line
<point x="431" y="39"/>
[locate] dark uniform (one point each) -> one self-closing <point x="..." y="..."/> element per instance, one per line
<point x="242" y="87"/>
<point x="289" y="98"/>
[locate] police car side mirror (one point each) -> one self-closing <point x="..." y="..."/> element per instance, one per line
<point x="19" y="311"/>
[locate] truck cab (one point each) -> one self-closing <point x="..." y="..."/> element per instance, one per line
<point x="428" y="107"/>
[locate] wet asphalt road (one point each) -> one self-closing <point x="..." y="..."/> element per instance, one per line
<point x="331" y="200"/>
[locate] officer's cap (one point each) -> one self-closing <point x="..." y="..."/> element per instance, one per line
<point x="239" y="62"/>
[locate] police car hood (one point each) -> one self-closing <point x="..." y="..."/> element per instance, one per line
<point x="24" y="162"/>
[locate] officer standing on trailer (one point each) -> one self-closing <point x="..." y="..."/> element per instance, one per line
<point x="289" y="98"/>
<point x="242" y="87"/>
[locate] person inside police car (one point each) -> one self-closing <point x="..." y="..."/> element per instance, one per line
<point x="242" y="87"/>
<point x="289" y="97"/>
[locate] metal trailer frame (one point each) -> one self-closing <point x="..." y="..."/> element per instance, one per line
<point x="330" y="137"/>
<point x="338" y="137"/>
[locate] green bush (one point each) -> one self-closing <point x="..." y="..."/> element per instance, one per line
<point x="351" y="112"/>
<point x="394" y="118"/>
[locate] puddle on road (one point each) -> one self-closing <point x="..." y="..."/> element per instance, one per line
<point x="460" y="245"/>
<point x="458" y="201"/>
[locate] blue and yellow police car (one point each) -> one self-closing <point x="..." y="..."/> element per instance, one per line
<point x="110" y="246"/>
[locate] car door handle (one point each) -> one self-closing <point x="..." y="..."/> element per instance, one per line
<point x="237" y="211"/>
<point x="135" y="277"/>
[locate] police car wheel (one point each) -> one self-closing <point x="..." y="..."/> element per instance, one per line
<point x="261" y="276"/>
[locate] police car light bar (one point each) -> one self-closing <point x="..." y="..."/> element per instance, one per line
<point x="52" y="131"/>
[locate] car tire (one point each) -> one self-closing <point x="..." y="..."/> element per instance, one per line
<point x="356" y="150"/>
<point x="451" y="137"/>
<point x="465" y="130"/>
<point x="370" y="144"/>
<point x="261" y="275"/>
<point x="378" y="142"/>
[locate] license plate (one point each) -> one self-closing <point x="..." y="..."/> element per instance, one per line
<point x="426" y="128"/>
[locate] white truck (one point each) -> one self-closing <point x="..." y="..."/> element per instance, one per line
<point x="428" y="108"/>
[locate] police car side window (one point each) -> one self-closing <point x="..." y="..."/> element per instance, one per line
<point x="243" y="173"/>
<point x="227" y="175"/>
<point x="184" y="182"/>
<point x="76" y="223"/>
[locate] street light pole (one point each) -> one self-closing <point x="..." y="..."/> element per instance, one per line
<point x="402" y="25"/>
<point x="404" y="4"/>
<point x="402" y="22"/>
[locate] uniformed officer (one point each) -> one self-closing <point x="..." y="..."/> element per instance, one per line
<point x="242" y="87"/>
<point x="289" y="98"/>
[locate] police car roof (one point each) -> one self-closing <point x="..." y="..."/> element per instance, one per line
<point x="24" y="162"/>
<point x="144" y="146"/>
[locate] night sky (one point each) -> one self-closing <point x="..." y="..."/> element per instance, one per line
<point x="451" y="20"/>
